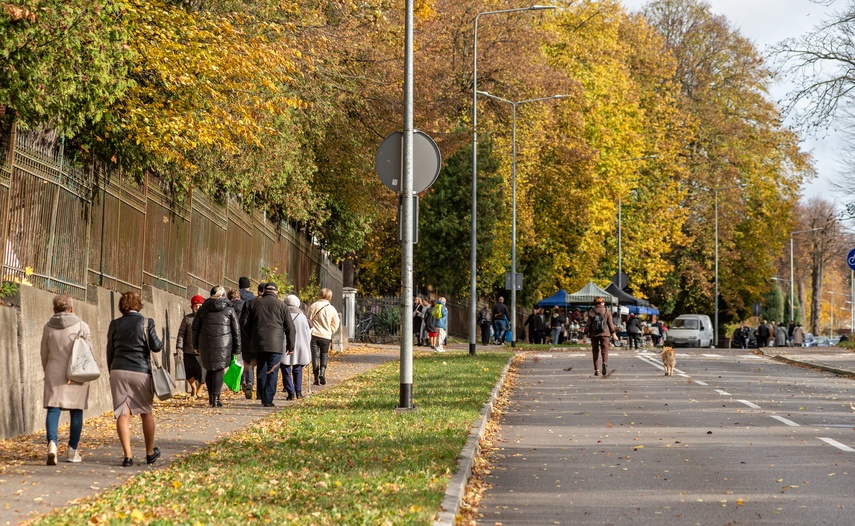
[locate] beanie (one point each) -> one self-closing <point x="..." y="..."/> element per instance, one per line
<point x="243" y="282"/>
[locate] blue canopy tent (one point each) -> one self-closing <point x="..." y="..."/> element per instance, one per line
<point x="559" y="299"/>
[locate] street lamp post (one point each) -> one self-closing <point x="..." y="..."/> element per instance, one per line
<point x="473" y="264"/>
<point x="514" y="201"/>
<point x="792" y="297"/>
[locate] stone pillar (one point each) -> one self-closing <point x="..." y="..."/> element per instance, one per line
<point x="349" y="314"/>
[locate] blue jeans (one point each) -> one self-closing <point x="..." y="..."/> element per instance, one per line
<point x="499" y="330"/>
<point x="292" y="378"/>
<point x="268" y="375"/>
<point x="52" y="425"/>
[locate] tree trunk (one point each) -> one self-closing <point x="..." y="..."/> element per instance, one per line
<point x="816" y="293"/>
<point x="348" y="273"/>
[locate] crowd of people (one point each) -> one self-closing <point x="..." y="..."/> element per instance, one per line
<point x="430" y="323"/>
<point x="770" y="334"/>
<point x="267" y="334"/>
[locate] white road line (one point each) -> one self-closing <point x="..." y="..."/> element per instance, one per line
<point x="784" y="420"/>
<point x="722" y="393"/>
<point x="712" y="355"/>
<point x="837" y="444"/>
<point x="700" y="382"/>
<point x="651" y="361"/>
<point x="750" y="356"/>
<point x="749" y="404"/>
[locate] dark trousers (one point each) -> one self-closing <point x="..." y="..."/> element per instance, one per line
<point x="320" y="354"/>
<point x="214" y="381"/>
<point x="292" y="378"/>
<point x="499" y="329"/>
<point x="485" y="333"/>
<point x="268" y="375"/>
<point x="634" y="339"/>
<point x="600" y="345"/>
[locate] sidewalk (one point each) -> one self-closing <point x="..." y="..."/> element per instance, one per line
<point x="32" y="488"/>
<point x="835" y="360"/>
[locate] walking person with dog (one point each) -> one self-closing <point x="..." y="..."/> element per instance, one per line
<point x="600" y="327"/>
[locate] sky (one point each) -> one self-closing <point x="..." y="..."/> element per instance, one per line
<point x="766" y="22"/>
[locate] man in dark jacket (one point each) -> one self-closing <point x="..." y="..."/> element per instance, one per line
<point x="633" y="331"/>
<point x="601" y="329"/>
<point x="500" y="320"/>
<point x="245" y="293"/>
<point x="763" y="333"/>
<point x="271" y="332"/>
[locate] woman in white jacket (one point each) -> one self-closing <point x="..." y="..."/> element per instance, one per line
<point x="323" y="319"/>
<point x="292" y="363"/>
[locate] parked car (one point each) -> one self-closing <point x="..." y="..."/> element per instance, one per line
<point x="691" y="330"/>
<point x="810" y="341"/>
<point x="822" y="341"/>
<point x="835" y="340"/>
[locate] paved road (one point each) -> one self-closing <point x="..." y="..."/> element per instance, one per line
<point x="733" y="438"/>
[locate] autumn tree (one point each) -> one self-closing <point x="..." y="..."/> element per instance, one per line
<point x="824" y="245"/>
<point x="740" y="153"/>
<point x="62" y="64"/>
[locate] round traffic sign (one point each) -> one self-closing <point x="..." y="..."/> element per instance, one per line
<point x="850" y="259"/>
<point x="426" y="161"/>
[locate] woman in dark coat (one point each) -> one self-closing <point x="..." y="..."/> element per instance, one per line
<point x="130" y="340"/>
<point x="216" y="335"/>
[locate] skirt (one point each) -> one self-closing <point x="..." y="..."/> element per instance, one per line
<point x="132" y="391"/>
<point x="192" y="367"/>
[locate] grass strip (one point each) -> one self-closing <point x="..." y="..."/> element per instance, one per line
<point x="343" y="456"/>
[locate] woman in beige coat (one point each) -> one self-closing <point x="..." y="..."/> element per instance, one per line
<point x="323" y="319"/>
<point x="61" y="393"/>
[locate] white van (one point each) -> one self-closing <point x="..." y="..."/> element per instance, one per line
<point x="690" y="330"/>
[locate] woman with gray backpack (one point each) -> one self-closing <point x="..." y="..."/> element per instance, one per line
<point x="601" y="329"/>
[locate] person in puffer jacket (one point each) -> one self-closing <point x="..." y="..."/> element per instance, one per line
<point x="216" y="335"/>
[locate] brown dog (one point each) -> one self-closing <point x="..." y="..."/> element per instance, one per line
<point x="669" y="360"/>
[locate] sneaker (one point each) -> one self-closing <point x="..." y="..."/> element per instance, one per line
<point x="440" y="350"/>
<point x="596" y="372"/>
<point x="73" y="456"/>
<point x="51" y="454"/>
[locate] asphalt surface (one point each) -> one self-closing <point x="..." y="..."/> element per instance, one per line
<point x="733" y="437"/>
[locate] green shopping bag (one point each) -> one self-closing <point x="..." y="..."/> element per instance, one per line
<point x="234" y="373"/>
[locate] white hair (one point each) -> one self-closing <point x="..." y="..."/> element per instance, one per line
<point x="218" y="292"/>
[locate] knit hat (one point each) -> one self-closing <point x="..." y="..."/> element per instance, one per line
<point x="271" y="286"/>
<point x="197" y="300"/>
<point x="243" y="282"/>
<point x="292" y="301"/>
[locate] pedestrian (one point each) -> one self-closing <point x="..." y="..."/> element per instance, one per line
<point x="798" y="335"/>
<point x="430" y="325"/>
<point x="245" y="293"/>
<point x="656" y="331"/>
<point x="60" y="393"/>
<point x="772" y="330"/>
<point x="743" y="335"/>
<point x="530" y="324"/>
<point x="323" y="319"/>
<point x="500" y="318"/>
<point x="780" y="335"/>
<point x="271" y="333"/>
<point x="189" y="353"/>
<point x="417" y="320"/>
<point x="130" y="341"/>
<point x="556" y="323"/>
<point x="293" y="362"/>
<point x="251" y="373"/>
<point x="790" y="328"/>
<point x="216" y="334"/>
<point x="484" y="321"/>
<point x="440" y="315"/>
<point x="762" y="334"/>
<point x="600" y="327"/>
<point x="633" y="331"/>
<point x="423" y="334"/>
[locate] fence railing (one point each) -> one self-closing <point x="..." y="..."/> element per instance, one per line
<point x="63" y="228"/>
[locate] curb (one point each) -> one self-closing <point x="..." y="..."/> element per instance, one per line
<point x="457" y="485"/>
<point x="824" y="367"/>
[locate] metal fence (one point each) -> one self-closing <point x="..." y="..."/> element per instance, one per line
<point x="63" y="228"/>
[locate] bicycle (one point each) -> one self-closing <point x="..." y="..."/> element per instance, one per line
<point x="366" y="330"/>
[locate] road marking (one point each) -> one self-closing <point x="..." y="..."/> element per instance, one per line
<point x="750" y="356"/>
<point x="784" y="420"/>
<point x="722" y="393"/>
<point x="541" y="356"/>
<point x="712" y="355"/>
<point x="749" y="404"/>
<point x="837" y="444"/>
<point x="700" y="382"/>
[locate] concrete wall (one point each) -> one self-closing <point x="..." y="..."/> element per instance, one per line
<point x="21" y="327"/>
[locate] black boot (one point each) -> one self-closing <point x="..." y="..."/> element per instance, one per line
<point x="322" y="376"/>
<point x="290" y="396"/>
<point x="299" y="394"/>
<point x="210" y="399"/>
<point x="217" y="402"/>
<point x="315" y="378"/>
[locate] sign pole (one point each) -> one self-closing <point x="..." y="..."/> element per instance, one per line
<point x="406" y="390"/>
